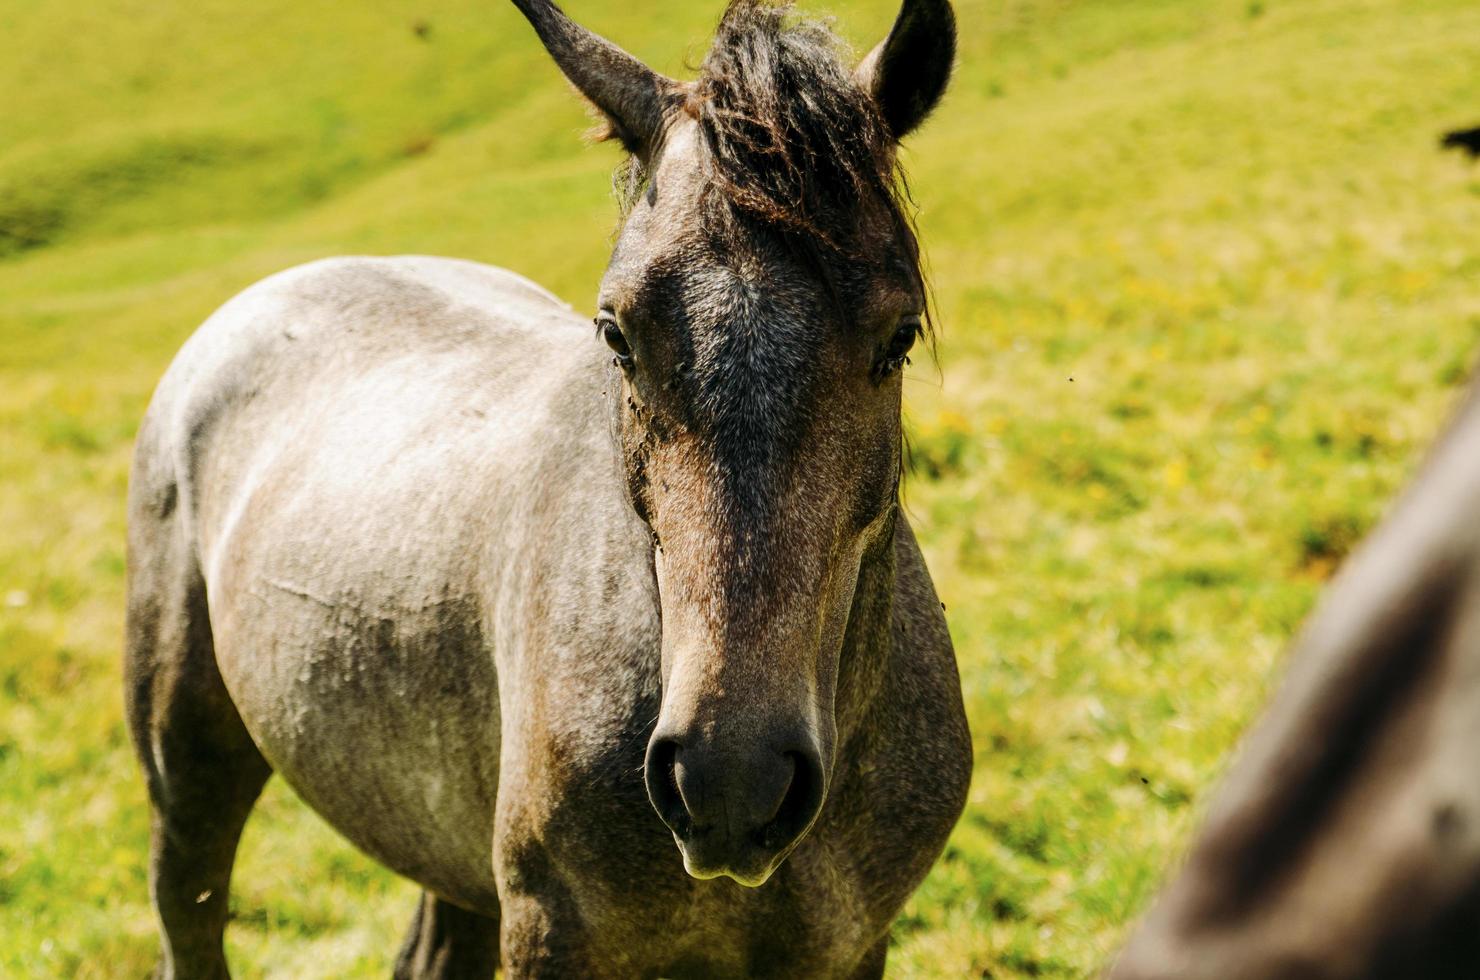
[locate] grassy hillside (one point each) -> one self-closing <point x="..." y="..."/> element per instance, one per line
<point x="1206" y="290"/>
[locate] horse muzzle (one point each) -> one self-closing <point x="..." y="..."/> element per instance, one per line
<point x="734" y="809"/>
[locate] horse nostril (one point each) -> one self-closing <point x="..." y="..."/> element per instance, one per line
<point x="662" y="785"/>
<point x="799" y="805"/>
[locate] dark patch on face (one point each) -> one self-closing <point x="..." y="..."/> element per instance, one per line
<point x="754" y="361"/>
<point x="738" y="345"/>
<point x="742" y="341"/>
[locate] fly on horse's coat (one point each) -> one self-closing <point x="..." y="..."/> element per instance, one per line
<point x="624" y="652"/>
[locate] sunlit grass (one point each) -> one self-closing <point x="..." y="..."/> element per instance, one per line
<point x="1206" y="287"/>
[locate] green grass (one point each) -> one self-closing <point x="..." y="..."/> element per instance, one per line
<point x="1207" y="290"/>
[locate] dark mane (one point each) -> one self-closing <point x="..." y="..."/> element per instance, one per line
<point x="789" y="141"/>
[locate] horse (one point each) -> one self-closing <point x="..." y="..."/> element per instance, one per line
<point x="1345" y="842"/>
<point x="517" y="606"/>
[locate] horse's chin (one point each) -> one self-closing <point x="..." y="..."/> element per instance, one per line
<point x="751" y="873"/>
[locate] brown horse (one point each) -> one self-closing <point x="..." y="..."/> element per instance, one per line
<point x="488" y="594"/>
<point x="1345" y="844"/>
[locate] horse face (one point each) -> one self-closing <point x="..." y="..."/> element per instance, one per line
<point x="760" y="303"/>
<point x="760" y="425"/>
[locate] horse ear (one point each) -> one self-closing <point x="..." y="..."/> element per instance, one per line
<point x="633" y="98"/>
<point x="908" y="71"/>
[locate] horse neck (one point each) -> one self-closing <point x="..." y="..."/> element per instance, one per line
<point x="869" y="640"/>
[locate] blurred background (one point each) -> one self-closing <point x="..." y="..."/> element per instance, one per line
<point x="1207" y="286"/>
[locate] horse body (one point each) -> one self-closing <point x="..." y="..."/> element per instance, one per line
<point x="362" y="437"/>
<point x="435" y="612"/>
<point x="517" y="617"/>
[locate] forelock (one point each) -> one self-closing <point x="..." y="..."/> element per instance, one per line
<point x="788" y="142"/>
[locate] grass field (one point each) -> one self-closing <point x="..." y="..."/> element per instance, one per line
<point x="1206" y="288"/>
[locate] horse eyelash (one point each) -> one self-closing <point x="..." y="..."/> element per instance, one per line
<point x="884" y="365"/>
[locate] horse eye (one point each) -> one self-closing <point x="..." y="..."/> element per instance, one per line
<point x="895" y="354"/>
<point x="612" y="334"/>
<point x="904" y="338"/>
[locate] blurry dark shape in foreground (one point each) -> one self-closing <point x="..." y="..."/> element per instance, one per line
<point x="422" y="29"/>
<point x="1344" y="843"/>
<point x="1467" y="140"/>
